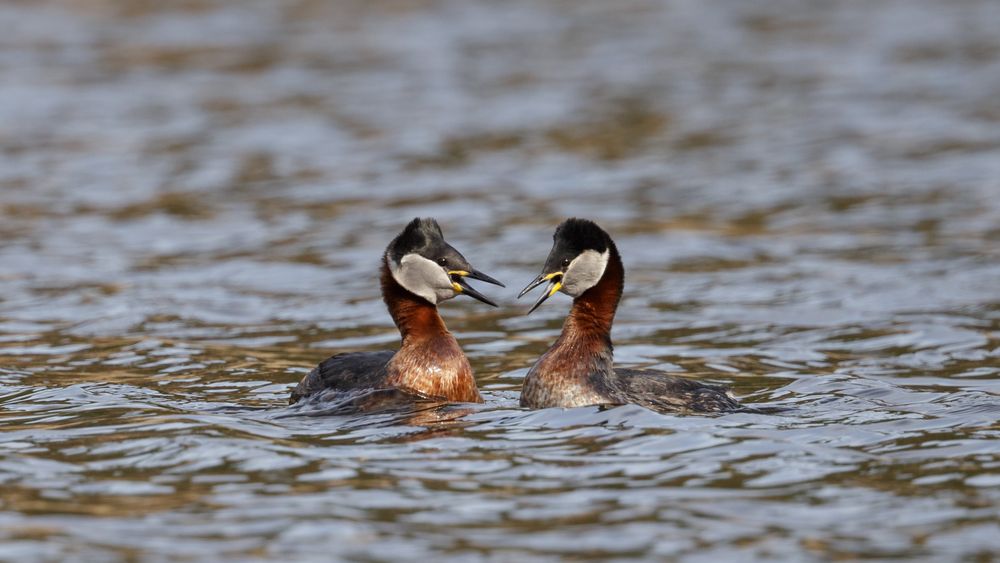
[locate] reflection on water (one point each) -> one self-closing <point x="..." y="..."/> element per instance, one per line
<point x="193" y="201"/>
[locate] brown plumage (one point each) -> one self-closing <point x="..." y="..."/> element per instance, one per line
<point x="429" y="362"/>
<point x="578" y="369"/>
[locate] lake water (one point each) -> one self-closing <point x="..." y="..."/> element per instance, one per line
<point x="194" y="200"/>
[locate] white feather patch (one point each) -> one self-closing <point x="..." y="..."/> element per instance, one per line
<point x="422" y="277"/>
<point x="584" y="272"/>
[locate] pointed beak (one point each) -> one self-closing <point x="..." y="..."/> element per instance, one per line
<point x="477" y="275"/>
<point x="461" y="286"/>
<point x="555" y="284"/>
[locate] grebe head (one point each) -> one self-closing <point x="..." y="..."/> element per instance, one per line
<point x="579" y="256"/>
<point x="423" y="263"/>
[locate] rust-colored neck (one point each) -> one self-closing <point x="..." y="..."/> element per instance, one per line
<point x="414" y="316"/>
<point x="594" y="311"/>
<point x="575" y="370"/>
<point x="586" y="335"/>
<point x="429" y="361"/>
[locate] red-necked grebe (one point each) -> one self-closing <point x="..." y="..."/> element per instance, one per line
<point x="578" y="370"/>
<point x="419" y="270"/>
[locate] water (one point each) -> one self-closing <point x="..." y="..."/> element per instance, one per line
<point x="193" y="201"/>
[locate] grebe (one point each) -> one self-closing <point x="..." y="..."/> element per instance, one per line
<point x="578" y="370"/>
<point x="419" y="270"/>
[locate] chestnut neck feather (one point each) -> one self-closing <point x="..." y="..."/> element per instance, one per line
<point x="429" y="361"/>
<point x="415" y="317"/>
<point x="584" y="347"/>
<point x="593" y="312"/>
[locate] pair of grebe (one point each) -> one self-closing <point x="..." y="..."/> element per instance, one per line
<point x="420" y="269"/>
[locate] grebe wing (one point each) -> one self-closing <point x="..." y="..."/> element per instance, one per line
<point x="349" y="370"/>
<point x="662" y="392"/>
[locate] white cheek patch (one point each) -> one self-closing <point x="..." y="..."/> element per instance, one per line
<point x="422" y="277"/>
<point x="584" y="272"/>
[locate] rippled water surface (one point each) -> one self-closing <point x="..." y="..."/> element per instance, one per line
<point x="193" y="201"/>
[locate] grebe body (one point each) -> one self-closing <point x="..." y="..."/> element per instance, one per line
<point x="578" y="369"/>
<point x="419" y="270"/>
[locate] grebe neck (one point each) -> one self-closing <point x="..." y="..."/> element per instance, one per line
<point x="429" y="362"/>
<point x="584" y="346"/>
<point x="593" y="312"/>
<point x="579" y="367"/>
<point x="414" y="316"/>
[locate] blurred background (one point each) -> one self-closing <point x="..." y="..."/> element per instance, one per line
<point x="194" y="197"/>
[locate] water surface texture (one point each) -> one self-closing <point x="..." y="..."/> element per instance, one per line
<point x="194" y="199"/>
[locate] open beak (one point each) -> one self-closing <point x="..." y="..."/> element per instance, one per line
<point x="459" y="284"/>
<point x="555" y="284"/>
